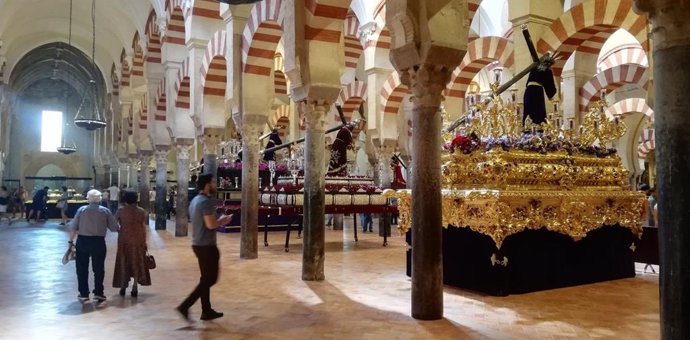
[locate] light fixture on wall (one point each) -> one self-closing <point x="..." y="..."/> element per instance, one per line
<point x="88" y="115"/>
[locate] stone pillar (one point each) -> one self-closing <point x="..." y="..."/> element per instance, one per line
<point x="106" y="176"/>
<point x="132" y="177"/>
<point x="671" y="47"/>
<point x="210" y="142"/>
<point x="183" y="146"/>
<point x="249" y="246"/>
<point x="314" y="191"/>
<point x="161" y="186"/>
<point x="145" y="157"/>
<point x="427" y="83"/>
<point x="338" y="222"/>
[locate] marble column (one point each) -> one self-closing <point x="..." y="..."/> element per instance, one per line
<point x="182" y="203"/>
<point x="671" y="48"/>
<point x="106" y="176"/>
<point x="161" y="155"/>
<point x="338" y="221"/>
<point x="314" y="190"/>
<point x="144" y="170"/>
<point x="210" y="142"/>
<point x="426" y="83"/>
<point x="249" y="213"/>
<point x="132" y="180"/>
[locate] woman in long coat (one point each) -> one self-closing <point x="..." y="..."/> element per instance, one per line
<point x="131" y="246"/>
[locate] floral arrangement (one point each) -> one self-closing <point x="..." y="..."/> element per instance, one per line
<point x="263" y="166"/>
<point x="330" y="188"/>
<point x="465" y="144"/>
<point x="539" y="143"/>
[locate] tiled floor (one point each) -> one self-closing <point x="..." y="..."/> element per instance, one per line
<point x="366" y="296"/>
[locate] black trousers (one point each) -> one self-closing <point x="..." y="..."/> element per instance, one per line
<point x="90" y="247"/>
<point x="208" y="257"/>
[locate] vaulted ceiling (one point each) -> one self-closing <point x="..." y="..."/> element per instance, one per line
<point x="28" y="24"/>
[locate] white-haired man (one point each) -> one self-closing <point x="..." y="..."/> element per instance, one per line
<point x="91" y="223"/>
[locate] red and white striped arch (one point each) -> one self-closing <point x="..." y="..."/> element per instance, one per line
<point x="611" y="79"/>
<point x="125" y="71"/>
<point x="114" y="80"/>
<point x="381" y="38"/>
<point x="353" y="47"/>
<point x="280" y="82"/>
<point x="352" y="96"/>
<point x="206" y="9"/>
<point x="587" y="26"/>
<point x="392" y="94"/>
<point x="645" y="143"/>
<point x="629" y="106"/>
<point x="182" y="86"/>
<point x="324" y="19"/>
<point x="144" y="113"/>
<point x="153" y="43"/>
<point x="261" y="36"/>
<point x="473" y="7"/>
<point x="214" y="65"/>
<point x="175" y="31"/>
<point x="480" y="52"/>
<point x="281" y="117"/>
<point x="625" y="55"/>
<point x="161" y="103"/>
<point x="138" y="58"/>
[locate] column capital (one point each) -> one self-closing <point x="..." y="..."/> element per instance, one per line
<point x="183" y="151"/>
<point x="669" y="19"/>
<point x="210" y="140"/>
<point x="161" y="155"/>
<point x="426" y="83"/>
<point x="314" y="113"/>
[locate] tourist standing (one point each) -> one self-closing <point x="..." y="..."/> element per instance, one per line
<point x="131" y="246"/>
<point x="39" y="204"/>
<point x="4" y="203"/>
<point x="202" y="211"/>
<point x="152" y="201"/>
<point x="91" y="223"/>
<point x="114" y="197"/>
<point x="63" y="205"/>
<point x="21" y="196"/>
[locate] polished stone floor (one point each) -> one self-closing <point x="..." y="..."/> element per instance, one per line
<point x="366" y="296"/>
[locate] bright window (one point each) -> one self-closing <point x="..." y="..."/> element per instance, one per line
<point x="51" y="131"/>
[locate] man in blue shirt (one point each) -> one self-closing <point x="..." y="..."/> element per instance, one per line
<point x="202" y="212"/>
<point x="91" y="222"/>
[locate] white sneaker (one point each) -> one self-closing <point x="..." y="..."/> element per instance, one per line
<point x="83" y="299"/>
<point x="99" y="298"/>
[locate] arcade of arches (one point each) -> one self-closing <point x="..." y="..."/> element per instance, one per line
<point x="184" y="85"/>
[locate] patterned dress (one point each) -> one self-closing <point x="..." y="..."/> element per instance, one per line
<point x="131" y="247"/>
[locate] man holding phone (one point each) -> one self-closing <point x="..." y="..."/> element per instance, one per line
<point x="202" y="212"/>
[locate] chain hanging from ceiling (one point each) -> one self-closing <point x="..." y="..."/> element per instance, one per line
<point x="65" y="148"/>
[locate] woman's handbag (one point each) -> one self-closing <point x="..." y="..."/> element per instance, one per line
<point x="150" y="260"/>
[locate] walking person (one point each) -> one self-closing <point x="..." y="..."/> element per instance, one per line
<point x="4" y="203"/>
<point x="20" y="197"/>
<point x="91" y="223"/>
<point x="131" y="246"/>
<point x="63" y="205"/>
<point x="38" y="204"/>
<point x="202" y="211"/>
<point x="114" y="197"/>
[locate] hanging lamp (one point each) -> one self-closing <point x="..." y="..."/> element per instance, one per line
<point x="64" y="148"/>
<point x="88" y="115"/>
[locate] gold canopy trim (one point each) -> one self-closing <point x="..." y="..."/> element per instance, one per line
<point x="499" y="214"/>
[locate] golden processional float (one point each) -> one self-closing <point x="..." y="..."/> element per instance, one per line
<point x="503" y="178"/>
